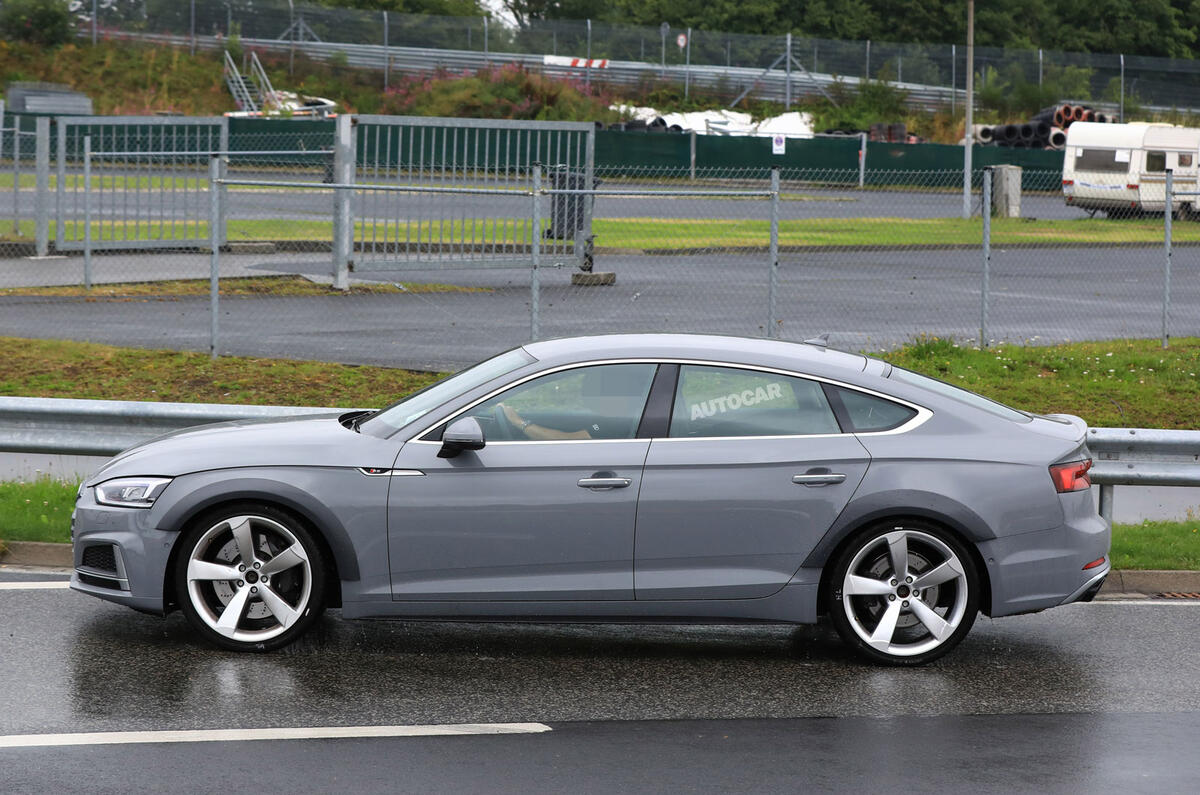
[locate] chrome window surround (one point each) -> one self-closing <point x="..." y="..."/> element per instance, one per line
<point x="922" y="415"/>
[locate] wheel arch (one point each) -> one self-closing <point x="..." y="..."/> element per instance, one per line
<point x="899" y="516"/>
<point x="326" y="529"/>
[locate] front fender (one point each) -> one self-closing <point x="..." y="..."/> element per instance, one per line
<point x="190" y="495"/>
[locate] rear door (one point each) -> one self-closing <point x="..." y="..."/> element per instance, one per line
<point x="753" y="471"/>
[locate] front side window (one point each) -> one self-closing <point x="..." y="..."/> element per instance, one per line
<point x="726" y="401"/>
<point x="599" y="402"/>
<point x="1156" y="161"/>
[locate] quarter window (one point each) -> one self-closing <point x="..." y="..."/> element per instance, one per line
<point x="726" y="401"/>
<point x="868" y="413"/>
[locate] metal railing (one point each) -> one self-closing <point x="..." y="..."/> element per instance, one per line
<point x="1142" y="457"/>
<point x="1122" y="456"/>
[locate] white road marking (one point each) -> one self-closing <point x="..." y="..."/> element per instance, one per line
<point x="40" y="585"/>
<point x="243" y="735"/>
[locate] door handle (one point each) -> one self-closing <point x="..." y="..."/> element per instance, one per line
<point x="604" y="483"/>
<point x="819" y="479"/>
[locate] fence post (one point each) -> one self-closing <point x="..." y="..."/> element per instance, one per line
<point x="192" y="27"/>
<point x="1121" y="115"/>
<point x="223" y="145"/>
<point x="343" y="223"/>
<point x="773" y="278"/>
<point x="687" y="63"/>
<point x="587" y="73"/>
<point x="1039" y="67"/>
<point x="862" y="159"/>
<point x="867" y="68"/>
<point x="60" y="188"/>
<point x="1168" y="211"/>
<point x="214" y="261"/>
<point x="953" y="78"/>
<point x="486" y="58"/>
<point x="535" y="284"/>
<point x="41" y="204"/>
<point x="787" y="58"/>
<point x="93" y="23"/>
<point x="387" y="58"/>
<point x="87" y="212"/>
<point x="692" y="155"/>
<point x="987" y="256"/>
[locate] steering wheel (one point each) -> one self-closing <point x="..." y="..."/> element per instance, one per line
<point x="507" y="430"/>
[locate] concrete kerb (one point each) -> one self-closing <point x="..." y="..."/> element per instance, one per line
<point x="1129" y="581"/>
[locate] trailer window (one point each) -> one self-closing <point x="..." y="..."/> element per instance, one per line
<point x="1185" y="161"/>
<point x="1156" y="161"/>
<point x="1101" y="160"/>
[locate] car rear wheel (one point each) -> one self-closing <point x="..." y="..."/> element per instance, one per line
<point x="250" y="578"/>
<point x="903" y="593"/>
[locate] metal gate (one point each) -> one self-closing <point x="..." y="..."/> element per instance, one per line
<point x="459" y="193"/>
<point x="134" y="182"/>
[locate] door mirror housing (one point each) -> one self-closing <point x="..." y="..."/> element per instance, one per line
<point x="463" y="434"/>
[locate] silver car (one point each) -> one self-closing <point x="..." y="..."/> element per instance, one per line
<point x="627" y="478"/>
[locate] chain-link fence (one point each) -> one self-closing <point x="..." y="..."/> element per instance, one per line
<point x="933" y="74"/>
<point x="454" y="241"/>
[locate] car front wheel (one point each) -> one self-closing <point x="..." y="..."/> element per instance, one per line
<point x="250" y="578"/>
<point x="903" y="593"/>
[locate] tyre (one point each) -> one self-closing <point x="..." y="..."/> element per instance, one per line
<point x="250" y="577"/>
<point x="903" y="593"/>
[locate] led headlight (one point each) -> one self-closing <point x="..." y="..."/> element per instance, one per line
<point x="131" y="492"/>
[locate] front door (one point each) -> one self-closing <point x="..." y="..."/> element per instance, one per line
<point x="754" y="471"/>
<point x="545" y="511"/>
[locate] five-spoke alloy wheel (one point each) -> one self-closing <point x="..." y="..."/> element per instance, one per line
<point x="903" y="593"/>
<point x="250" y="577"/>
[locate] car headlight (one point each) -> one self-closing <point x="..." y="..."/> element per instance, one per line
<point x="130" y="492"/>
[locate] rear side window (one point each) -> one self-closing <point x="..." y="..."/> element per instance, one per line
<point x="866" y="413"/>
<point x="727" y="401"/>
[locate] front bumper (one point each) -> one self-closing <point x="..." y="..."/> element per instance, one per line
<point x="119" y="556"/>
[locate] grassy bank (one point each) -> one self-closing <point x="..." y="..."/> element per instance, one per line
<point x="1128" y="383"/>
<point x="683" y="234"/>
<point x="40" y="510"/>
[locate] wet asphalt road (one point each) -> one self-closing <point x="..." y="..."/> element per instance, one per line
<point x="1101" y="697"/>
<point x="876" y="299"/>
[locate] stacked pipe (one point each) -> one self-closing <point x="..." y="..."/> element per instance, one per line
<point x="1046" y="130"/>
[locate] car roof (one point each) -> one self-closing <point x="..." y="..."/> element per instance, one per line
<point x="804" y="357"/>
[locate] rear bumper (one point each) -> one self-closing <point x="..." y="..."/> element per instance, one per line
<point x="1034" y="571"/>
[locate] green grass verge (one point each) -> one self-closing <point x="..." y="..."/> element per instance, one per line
<point x="40" y="510"/>
<point x="668" y="234"/>
<point x="278" y="286"/>
<point x="54" y="368"/>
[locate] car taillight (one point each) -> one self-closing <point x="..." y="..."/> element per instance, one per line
<point x="1072" y="476"/>
<point x="1068" y="182"/>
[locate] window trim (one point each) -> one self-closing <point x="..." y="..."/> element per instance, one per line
<point x="923" y="414"/>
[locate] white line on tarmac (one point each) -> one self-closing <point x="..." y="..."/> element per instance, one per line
<point x="41" y="585"/>
<point x="242" y="735"/>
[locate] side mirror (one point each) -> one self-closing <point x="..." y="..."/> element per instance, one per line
<point x="463" y="434"/>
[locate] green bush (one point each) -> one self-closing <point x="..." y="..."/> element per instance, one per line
<point x="44" y="22"/>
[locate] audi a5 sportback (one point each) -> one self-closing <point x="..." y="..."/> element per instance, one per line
<point x="623" y="477"/>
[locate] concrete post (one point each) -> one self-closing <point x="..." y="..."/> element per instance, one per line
<point x="1006" y="184"/>
<point x="41" y="202"/>
<point x="343" y="221"/>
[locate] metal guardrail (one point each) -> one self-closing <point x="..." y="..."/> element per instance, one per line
<point x="106" y="427"/>
<point x="1142" y="457"/>
<point x="1122" y="456"/>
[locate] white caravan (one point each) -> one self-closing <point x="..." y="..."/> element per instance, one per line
<point x="1121" y="168"/>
